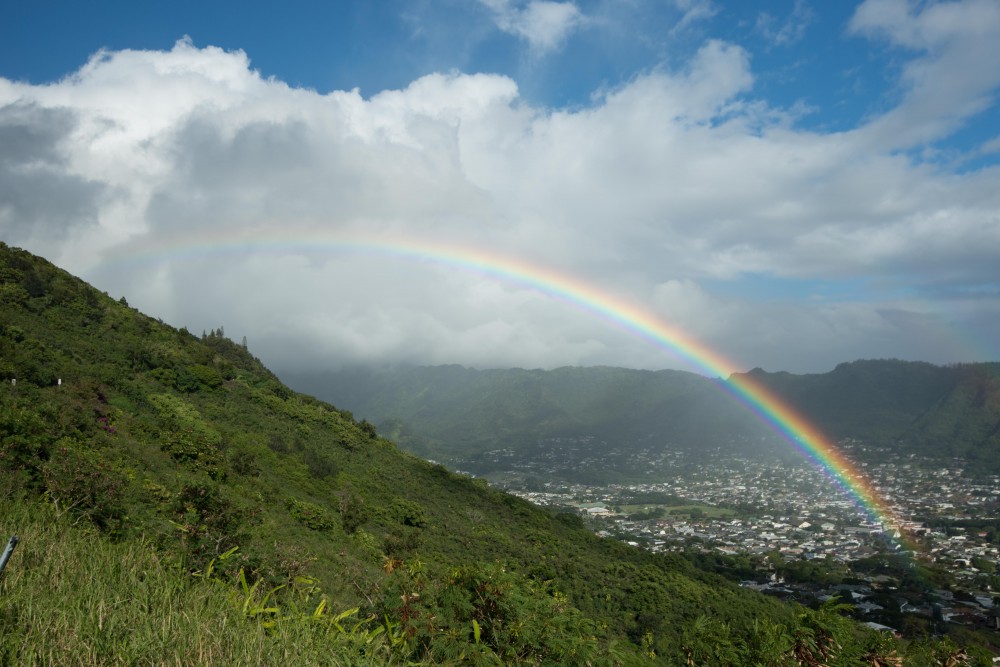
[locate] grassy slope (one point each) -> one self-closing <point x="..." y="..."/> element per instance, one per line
<point x="176" y="449"/>
<point x="73" y="597"/>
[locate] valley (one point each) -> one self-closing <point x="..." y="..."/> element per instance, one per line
<point x="667" y="463"/>
<point x="784" y="528"/>
<point x="528" y="333"/>
<point x="298" y="525"/>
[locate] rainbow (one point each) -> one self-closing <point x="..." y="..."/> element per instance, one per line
<point x="767" y="406"/>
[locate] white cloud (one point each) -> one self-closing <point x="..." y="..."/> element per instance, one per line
<point x="693" y="11"/>
<point x="991" y="146"/>
<point x="543" y="24"/>
<point x="954" y="74"/>
<point x="214" y="196"/>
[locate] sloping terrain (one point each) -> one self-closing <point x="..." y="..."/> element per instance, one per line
<point x="455" y="414"/>
<point x="451" y="412"/>
<point x="912" y="407"/>
<point x="134" y="440"/>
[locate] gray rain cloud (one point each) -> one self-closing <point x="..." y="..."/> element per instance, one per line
<point x="39" y="199"/>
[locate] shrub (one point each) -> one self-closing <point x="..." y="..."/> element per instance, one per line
<point x="77" y="483"/>
<point x="320" y="466"/>
<point x="205" y="376"/>
<point x="409" y="513"/>
<point x="352" y="512"/>
<point x="244" y="462"/>
<point x="196" y="451"/>
<point x="208" y="523"/>
<point x="311" y="516"/>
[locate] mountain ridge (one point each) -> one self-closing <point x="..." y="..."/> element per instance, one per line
<point x="914" y="407"/>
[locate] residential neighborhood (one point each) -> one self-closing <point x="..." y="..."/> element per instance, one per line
<point x="783" y="515"/>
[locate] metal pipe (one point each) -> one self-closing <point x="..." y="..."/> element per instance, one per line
<point x="7" y="552"/>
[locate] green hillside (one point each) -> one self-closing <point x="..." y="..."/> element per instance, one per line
<point x="455" y="414"/>
<point x="178" y="504"/>
<point x="451" y="412"/>
<point x="912" y="407"/>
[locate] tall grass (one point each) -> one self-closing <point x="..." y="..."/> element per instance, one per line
<point x="71" y="597"/>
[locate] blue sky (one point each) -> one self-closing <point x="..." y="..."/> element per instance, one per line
<point x="796" y="183"/>
<point x="802" y="51"/>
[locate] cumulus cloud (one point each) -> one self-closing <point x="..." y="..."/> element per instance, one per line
<point x="40" y="198"/>
<point x="545" y="25"/>
<point x="210" y="195"/>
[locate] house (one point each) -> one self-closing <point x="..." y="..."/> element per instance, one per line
<point x="881" y="628"/>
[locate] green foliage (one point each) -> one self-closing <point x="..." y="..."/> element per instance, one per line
<point x="78" y="481"/>
<point x="243" y="461"/>
<point x="450" y="411"/>
<point x="321" y="466"/>
<point x="189" y="438"/>
<point x="455" y="413"/>
<point x="208" y="522"/>
<point x="488" y="615"/>
<point x="310" y="515"/>
<point x="400" y="542"/>
<point x="367" y="428"/>
<point x="409" y="513"/>
<point x="352" y="512"/>
<point x="197" y="377"/>
<point x="70" y="597"/>
<point x="984" y="565"/>
<point x="194" y="449"/>
<point x="141" y="438"/>
<point x="822" y="572"/>
<point x="651" y="513"/>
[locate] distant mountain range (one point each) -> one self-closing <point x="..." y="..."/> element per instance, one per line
<point x="914" y="407"/>
<point x="452" y="413"/>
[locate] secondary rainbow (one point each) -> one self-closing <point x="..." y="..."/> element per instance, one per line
<point x="768" y="407"/>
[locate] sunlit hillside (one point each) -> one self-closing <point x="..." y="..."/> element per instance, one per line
<point x="177" y="503"/>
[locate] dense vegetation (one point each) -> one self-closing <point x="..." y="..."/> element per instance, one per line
<point x="451" y="413"/>
<point x="939" y="412"/>
<point x="179" y="504"/>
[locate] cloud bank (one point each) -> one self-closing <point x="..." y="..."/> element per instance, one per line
<point x="209" y="195"/>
